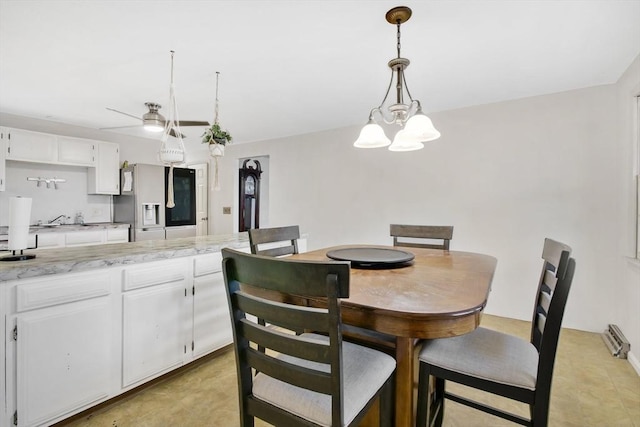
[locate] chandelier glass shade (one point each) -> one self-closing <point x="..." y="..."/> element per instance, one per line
<point x="418" y="128"/>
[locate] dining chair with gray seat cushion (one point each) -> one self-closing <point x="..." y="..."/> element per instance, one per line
<point x="303" y="380"/>
<point x="499" y="363"/>
<point x="285" y="239"/>
<point x="408" y="235"/>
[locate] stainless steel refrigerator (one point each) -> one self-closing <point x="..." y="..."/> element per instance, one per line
<point x="141" y="203"/>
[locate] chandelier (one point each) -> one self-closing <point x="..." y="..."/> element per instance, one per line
<point x="417" y="126"/>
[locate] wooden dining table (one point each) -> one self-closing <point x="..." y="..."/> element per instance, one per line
<point x="436" y="295"/>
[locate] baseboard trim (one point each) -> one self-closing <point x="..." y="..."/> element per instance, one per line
<point x="634" y="362"/>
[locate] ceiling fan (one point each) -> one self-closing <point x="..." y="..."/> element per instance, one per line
<point x="153" y="121"/>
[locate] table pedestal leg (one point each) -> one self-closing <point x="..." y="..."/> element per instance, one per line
<point x="404" y="382"/>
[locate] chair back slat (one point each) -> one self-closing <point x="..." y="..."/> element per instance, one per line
<point x="541" y="321"/>
<point x="295" y="277"/>
<point x="402" y="232"/>
<point x="544" y="302"/>
<point x="549" y="280"/>
<point x="285" y="343"/>
<point x="285" y="237"/>
<point x="285" y="315"/>
<point x="311" y="379"/>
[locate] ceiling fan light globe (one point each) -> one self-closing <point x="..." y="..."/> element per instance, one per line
<point x="405" y="142"/>
<point x="372" y="136"/>
<point x="154" y="127"/>
<point x="420" y="127"/>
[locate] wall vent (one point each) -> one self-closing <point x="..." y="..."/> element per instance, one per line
<point x="616" y="342"/>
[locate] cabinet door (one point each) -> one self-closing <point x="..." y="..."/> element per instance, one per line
<point x="31" y="146"/>
<point x="50" y="240"/>
<point x="211" y="320"/>
<point x="154" y="331"/>
<point x="75" y="151"/>
<point x="117" y="235"/>
<point x="63" y="359"/>
<point x="85" y="238"/>
<point x="105" y="177"/>
<point x="3" y="155"/>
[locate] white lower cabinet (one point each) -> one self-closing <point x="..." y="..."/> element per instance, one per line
<point x="51" y="240"/>
<point x="83" y="338"/>
<point x="85" y="238"/>
<point x="62" y="352"/>
<point x="153" y="331"/>
<point x="64" y="359"/>
<point x="211" y="320"/>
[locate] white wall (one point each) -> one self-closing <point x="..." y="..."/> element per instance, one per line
<point x="70" y="197"/>
<point x="625" y="285"/>
<point x="506" y="175"/>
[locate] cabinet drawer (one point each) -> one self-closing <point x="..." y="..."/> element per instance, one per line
<point x="82" y="238"/>
<point x="60" y="289"/>
<point x="117" y="235"/>
<point x="207" y="264"/>
<point x="155" y="273"/>
<point x="50" y="240"/>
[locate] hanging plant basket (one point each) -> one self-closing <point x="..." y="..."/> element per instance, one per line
<point x="217" y="149"/>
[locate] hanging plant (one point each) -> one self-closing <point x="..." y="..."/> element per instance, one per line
<point x="216" y="135"/>
<point x="217" y="138"/>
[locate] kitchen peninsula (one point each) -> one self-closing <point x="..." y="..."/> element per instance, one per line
<point x="84" y="324"/>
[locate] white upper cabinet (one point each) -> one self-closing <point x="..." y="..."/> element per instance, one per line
<point x="3" y="155"/>
<point x="31" y="146"/>
<point x="104" y="178"/>
<point x="102" y="158"/>
<point x="75" y="151"/>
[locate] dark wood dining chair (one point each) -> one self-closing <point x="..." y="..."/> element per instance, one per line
<point x="405" y="235"/>
<point x="285" y="239"/>
<point x="499" y="363"/>
<point x="308" y="379"/>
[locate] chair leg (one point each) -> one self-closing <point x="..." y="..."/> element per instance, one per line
<point x="386" y="404"/>
<point x="438" y="401"/>
<point x="539" y="414"/>
<point x="430" y="405"/>
<point x="423" y="396"/>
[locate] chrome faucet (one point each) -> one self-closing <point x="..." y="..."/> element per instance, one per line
<point x="57" y="218"/>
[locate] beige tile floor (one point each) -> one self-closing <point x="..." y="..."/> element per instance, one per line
<point x="590" y="388"/>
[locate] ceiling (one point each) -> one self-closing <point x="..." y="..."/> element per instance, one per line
<point x="294" y="67"/>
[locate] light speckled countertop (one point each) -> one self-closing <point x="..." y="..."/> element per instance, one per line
<point x="67" y="260"/>
<point x="65" y="228"/>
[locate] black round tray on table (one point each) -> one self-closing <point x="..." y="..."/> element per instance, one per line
<point x="372" y="257"/>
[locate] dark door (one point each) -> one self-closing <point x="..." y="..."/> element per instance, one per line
<point x="184" y="196"/>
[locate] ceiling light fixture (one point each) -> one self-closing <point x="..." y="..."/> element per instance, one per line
<point x="153" y="121"/>
<point x="417" y="126"/>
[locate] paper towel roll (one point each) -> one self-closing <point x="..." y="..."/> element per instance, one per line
<point x="19" y="219"/>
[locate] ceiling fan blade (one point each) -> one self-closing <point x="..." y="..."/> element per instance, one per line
<point x="192" y="123"/>
<point x="126" y="114"/>
<point x="173" y="133"/>
<point x="120" y="127"/>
